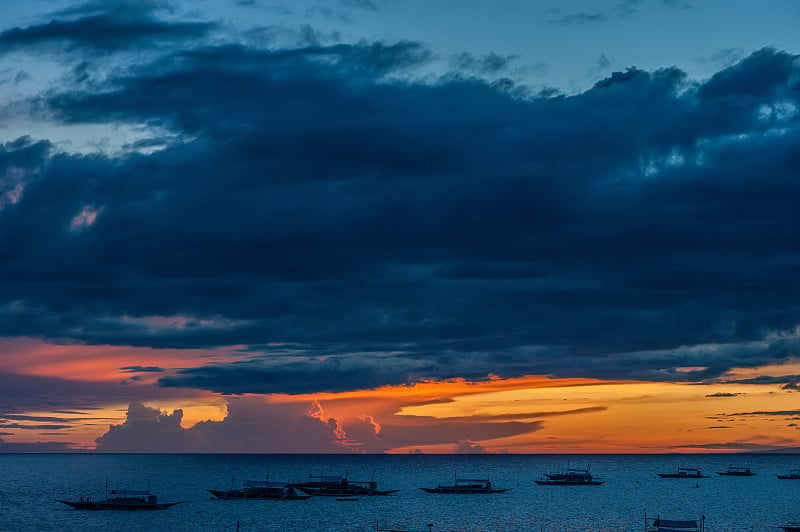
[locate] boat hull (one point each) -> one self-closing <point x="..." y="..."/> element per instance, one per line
<point x="727" y="474"/>
<point x="114" y="505"/>
<point x="338" y="492"/>
<point x="675" y="475"/>
<point x="456" y="491"/>
<point x="552" y="482"/>
<point x="257" y="495"/>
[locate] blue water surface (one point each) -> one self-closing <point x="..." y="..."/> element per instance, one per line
<point x="30" y="485"/>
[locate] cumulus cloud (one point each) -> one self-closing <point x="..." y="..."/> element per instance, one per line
<point x="251" y="426"/>
<point x="468" y="447"/>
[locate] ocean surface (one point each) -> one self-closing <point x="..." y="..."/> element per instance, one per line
<point x="30" y="485"/>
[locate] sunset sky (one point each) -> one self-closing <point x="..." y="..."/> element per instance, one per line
<point x="399" y="226"/>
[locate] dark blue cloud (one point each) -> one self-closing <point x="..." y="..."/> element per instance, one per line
<point x="356" y="228"/>
<point x="142" y="369"/>
<point x="102" y="27"/>
<point x="39" y="447"/>
<point x="29" y="393"/>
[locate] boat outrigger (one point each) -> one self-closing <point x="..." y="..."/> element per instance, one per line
<point x="684" y="472"/>
<point x="122" y="500"/>
<point x="260" y="490"/>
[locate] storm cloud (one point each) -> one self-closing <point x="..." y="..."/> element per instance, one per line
<point x="390" y="228"/>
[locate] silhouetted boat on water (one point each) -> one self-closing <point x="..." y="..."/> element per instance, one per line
<point x="379" y="529"/>
<point x="792" y="527"/>
<point x="794" y="474"/>
<point x="735" y="471"/>
<point x="657" y="524"/>
<point x="260" y="490"/>
<point x="466" y="486"/>
<point x="335" y="486"/>
<point x="122" y="500"/>
<point x="684" y="472"/>
<point x="570" y="477"/>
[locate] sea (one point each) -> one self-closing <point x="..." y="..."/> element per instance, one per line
<point x="32" y="484"/>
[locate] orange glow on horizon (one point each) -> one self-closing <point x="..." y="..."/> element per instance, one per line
<point x="531" y="414"/>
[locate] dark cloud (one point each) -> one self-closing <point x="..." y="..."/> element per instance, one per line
<point x="47" y="447"/>
<point x="766" y="413"/>
<point x="390" y="231"/>
<point x="27" y="393"/>
<point x="738" y="446"/>
<point x="677" y="4"/>
<point x="142" y="369"/>
<point x="21" y="417"/>
<point x="786" y="380"/>
<point x="42" y="426"/>
<point x="102" y="27"/>
<point x="119" y="8"/>
<point x="624" y="9"/>
<point x="722" y="394"/>
<point x="490" y="64"/>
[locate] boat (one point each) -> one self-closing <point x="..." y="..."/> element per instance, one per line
<point x="570" y="477"/>
<point x="353" y="499"/>
<point x="335" y="486"/>
<point x="260" y="489"/>
<point x="379" y="529"/>
<point x="466" y="486"/>
<point x="735" y="471"/>
<point x="122" y="500"/>
<point x="794" y="474"/>
<point x="791" y="527"/>
<point x="684" y="472"/>
<point x="657" y="524"/>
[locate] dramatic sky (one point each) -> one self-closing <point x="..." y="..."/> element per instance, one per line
<point x="399" y="225"/>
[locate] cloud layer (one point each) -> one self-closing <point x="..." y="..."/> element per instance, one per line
<point x="354" y="226"/>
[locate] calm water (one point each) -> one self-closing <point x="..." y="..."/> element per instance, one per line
<point x="30" y="485"/>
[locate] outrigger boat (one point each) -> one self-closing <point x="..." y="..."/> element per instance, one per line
<point x="466" y="486"/>
<point x="735" y="471"/>
<point x="379" y="529"/>
<point x="794" y="474"/>
<point x="335" y="486"/>
<point x="570" y="477"/>
<point x="684" y="472"/>
<point x="260" y="490"/>
<point x="122" y="500"/>
<point x="657" y="524"/>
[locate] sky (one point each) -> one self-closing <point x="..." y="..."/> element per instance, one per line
<point x="383" y="226"/>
